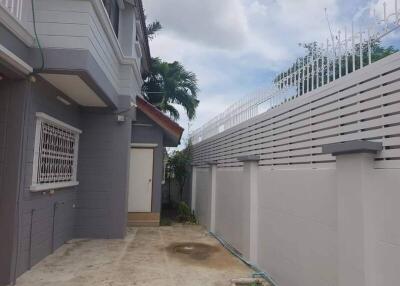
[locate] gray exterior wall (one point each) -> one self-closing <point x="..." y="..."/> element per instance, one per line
<point x="144" y="130"/>
<point x="46" y="221"/>
<point x="13" y="44"/>
<point x="40" y="212"/>
<point x="41" y="222"/>
<point x="103" y="175"/>
<point x="12" y="102"/>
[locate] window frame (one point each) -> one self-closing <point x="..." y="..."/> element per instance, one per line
<point x="113" y="12"/>
<point x="35" y="186"/>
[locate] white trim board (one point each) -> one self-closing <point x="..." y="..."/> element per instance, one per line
<point x="15" y="61"/>
<point x="35" y="186"/>
<point x="52" y="186"/>
<point x="144" y="145"/>
<point x="53" y="120"/>
<point x="16" y="27"/>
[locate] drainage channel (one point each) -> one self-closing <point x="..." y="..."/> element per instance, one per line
<point x="255" y="281"/>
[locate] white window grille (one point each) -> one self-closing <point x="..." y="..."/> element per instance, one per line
<point x="55" y="155"/>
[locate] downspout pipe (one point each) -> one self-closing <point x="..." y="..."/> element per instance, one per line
<point x="257" y="271"/>
<point x="30" y="239"/>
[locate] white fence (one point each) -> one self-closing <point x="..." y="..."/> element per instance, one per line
<point x="344" y="53"/>
<point x="243" y="110"/>
<point x="14" y="7"/>
<point x="362" y="105"/>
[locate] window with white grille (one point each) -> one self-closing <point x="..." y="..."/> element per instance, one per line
<point x="55" y="155"/>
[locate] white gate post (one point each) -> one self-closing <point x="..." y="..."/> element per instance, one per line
<point x="194" y="182"/>
<point x="250" y="169"/>
<point x="356" y="217"/>
<point x="213" y="186"/>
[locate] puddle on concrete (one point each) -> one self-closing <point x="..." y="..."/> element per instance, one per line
<point x="202" y="254"/>
<point x="193" y="250"/>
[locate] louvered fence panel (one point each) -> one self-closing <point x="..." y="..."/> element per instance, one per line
<point x="362" y="105"/>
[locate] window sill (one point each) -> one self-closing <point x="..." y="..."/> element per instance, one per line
<point x="52" y="186"/>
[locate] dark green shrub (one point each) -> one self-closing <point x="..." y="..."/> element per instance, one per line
<point x="185" y="214"/>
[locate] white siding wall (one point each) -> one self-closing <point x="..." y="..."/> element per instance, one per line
<point x="75" y="25"/>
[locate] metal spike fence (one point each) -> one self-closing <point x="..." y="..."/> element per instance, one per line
<point x="347" y="51"/>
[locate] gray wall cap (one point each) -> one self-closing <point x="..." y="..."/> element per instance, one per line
<point x="212" y="162"/>
<point x="249" y="158"/>
<point x="352" y="147"/>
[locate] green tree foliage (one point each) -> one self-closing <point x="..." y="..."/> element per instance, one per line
<point x="152" y="29"/>
<point x="377" y="52"/>
<point x="179" y="167"/>
<point x="169" y="84"/>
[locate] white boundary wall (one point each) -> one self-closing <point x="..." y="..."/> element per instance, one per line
<point x="298" y="226"/>
<point x="386" y="185"/>
<point x="232" y="209"/>
<point x="203" y="196"/>
<point x="320" y="219"/>
<point x="298" y="221"/>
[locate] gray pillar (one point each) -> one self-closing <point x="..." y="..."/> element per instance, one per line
<point x="250" y="169"/>
<point x="213" y="186"/>
<point x="356" y="216"/>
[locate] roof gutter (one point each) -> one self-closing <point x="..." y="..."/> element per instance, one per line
<point x="14" y="61"/>
<point x="144" y="28"/>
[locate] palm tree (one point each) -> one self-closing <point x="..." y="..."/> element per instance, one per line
<point x="152" y="29"/>
<point x="168" y="84"/>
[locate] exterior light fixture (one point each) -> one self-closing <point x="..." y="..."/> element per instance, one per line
<point x="63" y="100"/>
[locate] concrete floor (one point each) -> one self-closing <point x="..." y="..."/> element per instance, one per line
<point x="158" y="256"/>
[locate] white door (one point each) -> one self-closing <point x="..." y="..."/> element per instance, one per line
<point x="140" y="180"/>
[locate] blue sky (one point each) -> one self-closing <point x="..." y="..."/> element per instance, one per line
<point x="237" y="46"/>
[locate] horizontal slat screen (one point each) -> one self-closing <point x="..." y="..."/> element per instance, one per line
<point x="362" y="105"/>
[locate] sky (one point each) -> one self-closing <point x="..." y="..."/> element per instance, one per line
<point x="236" y="47"/>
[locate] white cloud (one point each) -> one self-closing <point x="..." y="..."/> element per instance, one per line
<point x="235" y="45"/>
<point x="377" y="7"/>
<point x="220" y="24"/>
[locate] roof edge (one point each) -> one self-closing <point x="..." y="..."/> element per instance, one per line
<point x="173" y="129"/>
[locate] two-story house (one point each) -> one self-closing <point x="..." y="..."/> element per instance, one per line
<point x="80" y="150"/>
